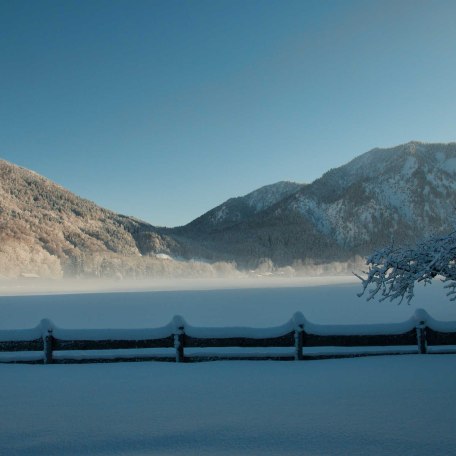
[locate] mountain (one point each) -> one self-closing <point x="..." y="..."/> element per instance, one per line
<point x="243" y="208"/>
<point x="49" y="231"/>
<point x="400" y="195"/>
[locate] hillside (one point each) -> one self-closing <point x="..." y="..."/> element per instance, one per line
<point x="399" y="195"/>
<point x="243" y="208"/>
<point x="48" y="231"/>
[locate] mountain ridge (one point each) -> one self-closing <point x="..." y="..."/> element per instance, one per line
<point x="374" y="198"/>
<point x="42" y="220"/>
<point x="401" y="193"/>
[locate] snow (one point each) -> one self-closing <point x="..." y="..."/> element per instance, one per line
<point x="110" y="334"/>
<point x="163" y="256"/>
<point x="255" y="333"/>
<point x="21" y="334"/>
<point x="269" y="195"/>
<point x="257" y="200"/>
<point x="220" y="215"/>
<point x="380" y="190"/>
<point x="409" y="167"/>
<point x="449" y="165"/>
<point x="316" y="211"/>
<point x="115" y="354"/>
<point x="328" y="301"/>
<point x="383" y="405"/>
<point x="376" y="406"/>
<point x="25" y="356"/>
<point x="212" y="352"/>
<point x="346" y="330"/>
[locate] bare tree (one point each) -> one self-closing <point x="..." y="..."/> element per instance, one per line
<point x="393" y="272"/>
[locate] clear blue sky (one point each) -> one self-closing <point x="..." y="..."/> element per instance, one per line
<point x="164" y="109"/>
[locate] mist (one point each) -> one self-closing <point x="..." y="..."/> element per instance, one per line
<point x="152" y="273"/>
<point x="37" y="286"/>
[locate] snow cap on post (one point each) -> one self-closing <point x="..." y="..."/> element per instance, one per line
<point x="421" y="317"/>
<point x="299" y="321"/>
<point x="178" y="323"/>
<point x="47" y="327"/>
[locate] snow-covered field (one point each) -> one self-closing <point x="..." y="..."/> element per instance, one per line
<point x="378" y="406"/>
<point x="372" y="406"/>
<point x="258" y="303"/>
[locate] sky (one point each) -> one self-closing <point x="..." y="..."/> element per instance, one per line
<point x="165" y="109"/>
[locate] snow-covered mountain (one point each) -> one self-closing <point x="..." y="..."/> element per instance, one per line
<point x="243" y="208"/>
<point x="48" y="231"/>
<point x="396" y="195"/>
<point x="399" y="195"/>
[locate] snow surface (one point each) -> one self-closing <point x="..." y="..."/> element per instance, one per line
<point x="449" y="165"/>
<point x="333" y="304"/>
<point x="376" y="406"/>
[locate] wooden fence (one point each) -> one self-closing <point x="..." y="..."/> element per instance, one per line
<point x="180" y="342"/>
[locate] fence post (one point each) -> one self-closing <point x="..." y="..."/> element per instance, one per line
<point x="421" y="316"/>
<point x="421" y="339"/>
<point x="179" y="333"/>
<point x="179" y="345"/>
<point x="47" y="336"/>
<point x="299" y="323"/>
<point x="298" y="335"/>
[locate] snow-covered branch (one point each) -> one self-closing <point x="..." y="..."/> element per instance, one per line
<point x="393" y="272"/>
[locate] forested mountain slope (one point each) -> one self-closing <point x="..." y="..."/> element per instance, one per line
<point x="399" y="195"/>
<point x="48" y="231"/>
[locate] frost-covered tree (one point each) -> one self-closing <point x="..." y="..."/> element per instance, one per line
<point x="393" y="272"/>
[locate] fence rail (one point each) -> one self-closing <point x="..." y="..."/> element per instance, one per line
<point x="179" y="341"/>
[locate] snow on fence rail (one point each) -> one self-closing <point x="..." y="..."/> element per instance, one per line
<point x="178" y="341"/>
